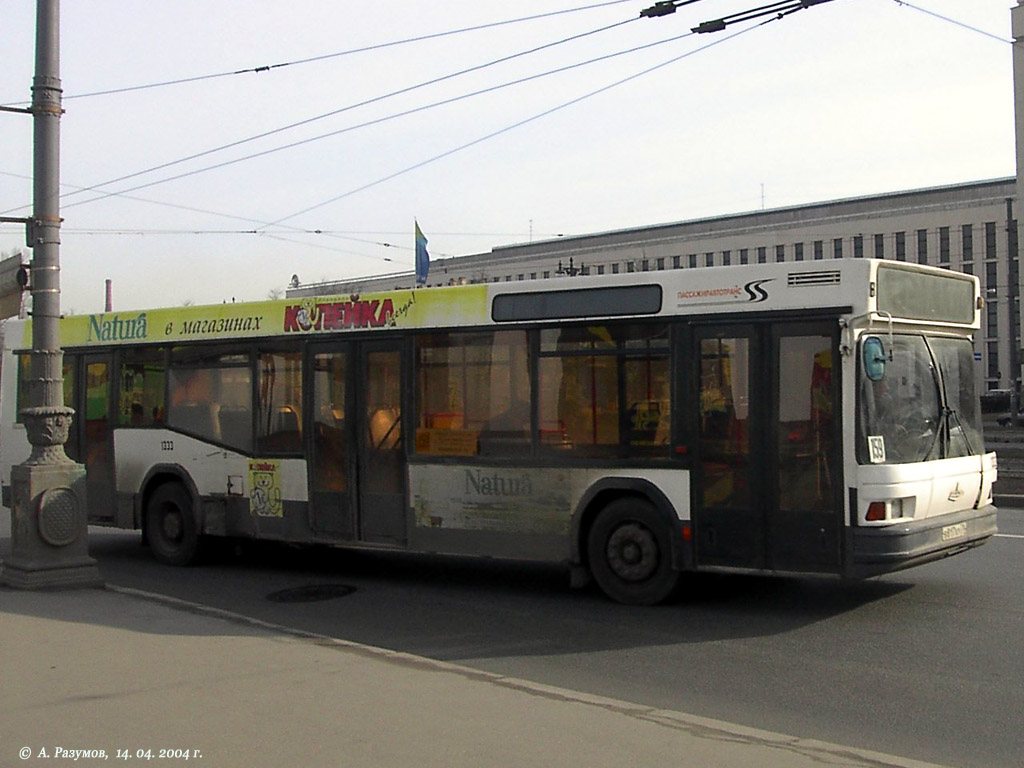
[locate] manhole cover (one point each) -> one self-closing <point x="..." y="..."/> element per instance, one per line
<point x="311" y="593"/>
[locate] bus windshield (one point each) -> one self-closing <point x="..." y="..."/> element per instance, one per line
<point x="917" y="400"/>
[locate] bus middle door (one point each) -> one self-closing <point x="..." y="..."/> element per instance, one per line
<point x="358" y="467"/>
<point x="382" y="463"/>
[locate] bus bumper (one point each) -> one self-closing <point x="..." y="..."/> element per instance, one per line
<point x="890" y="548"/>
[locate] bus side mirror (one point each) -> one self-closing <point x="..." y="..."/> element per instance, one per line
<point x="874" y="358"/>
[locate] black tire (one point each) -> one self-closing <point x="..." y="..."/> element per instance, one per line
<point x="170" y="525"/>
<point x="630" y="554"/>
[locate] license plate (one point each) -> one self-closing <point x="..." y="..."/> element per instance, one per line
<point x="956" y="531"/>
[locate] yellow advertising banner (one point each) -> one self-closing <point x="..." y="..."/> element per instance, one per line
<point x="423" y="308"/>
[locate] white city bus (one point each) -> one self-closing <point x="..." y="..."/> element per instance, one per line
<point x="817" y="418"/>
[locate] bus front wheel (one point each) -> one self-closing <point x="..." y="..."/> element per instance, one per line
<point x="630" y="555"/>
<point x="171" y="528"/>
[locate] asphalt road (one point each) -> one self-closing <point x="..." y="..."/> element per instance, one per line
<point x="928" y="664"/>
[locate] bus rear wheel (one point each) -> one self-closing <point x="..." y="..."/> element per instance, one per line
<point x="630" y="555"/>
<point x="170" y="525"/>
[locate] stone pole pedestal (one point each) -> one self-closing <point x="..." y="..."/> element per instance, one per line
<point x="49" y="547"/>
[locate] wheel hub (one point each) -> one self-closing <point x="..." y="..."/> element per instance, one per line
<point x="172" y="526"/>
<point x="632" y="552"/>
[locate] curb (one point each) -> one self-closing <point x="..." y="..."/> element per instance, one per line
<point x="1009" y="500"/>
<point x="697" y="727"/>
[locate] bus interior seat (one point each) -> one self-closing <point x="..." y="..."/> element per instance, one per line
<point x="236" y="426"/>
<point x="198" y="418"/>
<point x="287" y="420"/>
<point x="385" y="429"/>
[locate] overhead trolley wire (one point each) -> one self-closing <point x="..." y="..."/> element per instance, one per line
<point x="364" y="49"/>
<point x="337" y="54"/>
<point x="376" y="121"/>
<point x="479" y="140"/>
<point x="300" y="230"/>
<point x="955" y="22"/>
<point x="235" y="217"/>
<point x="667" y="6"/>
<point x="521" y="123"/>
<point x="279" y="222"/>
<point x="775" y="12"/>
<point x="257" y="231"/>
<point x="333" y="113"/>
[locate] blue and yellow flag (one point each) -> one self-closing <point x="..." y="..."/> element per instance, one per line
<point x="422" y="257"/>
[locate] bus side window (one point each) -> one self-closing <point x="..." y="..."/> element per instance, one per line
<point x="279" y="418"/>
<point x="141" y="398"/>
<point x="650" y="405"/>
<point x="473" y="391"/>
<point x="210" y="396"/>
<point x="330" y="447"/>
<point x="605" y="390"/>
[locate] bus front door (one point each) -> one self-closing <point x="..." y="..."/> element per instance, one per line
<point x="729" y="519"/>
<point x="767" y="447"/>
<point x="806" y="514"/>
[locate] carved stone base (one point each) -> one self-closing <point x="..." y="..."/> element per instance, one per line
<point x="49" y="546"/>
<point x="47" y="430"/>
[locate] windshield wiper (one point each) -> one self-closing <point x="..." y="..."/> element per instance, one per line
<point x="935" y="435"/>
<point x="950" y="412"/>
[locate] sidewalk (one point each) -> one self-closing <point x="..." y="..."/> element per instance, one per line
<point x="1008" y="443"/>
<point x="118" y="671"/>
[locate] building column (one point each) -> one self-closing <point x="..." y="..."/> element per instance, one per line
<point x="1017" y="28"/>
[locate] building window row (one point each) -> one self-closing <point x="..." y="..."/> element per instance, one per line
<point x="882" y="246"/>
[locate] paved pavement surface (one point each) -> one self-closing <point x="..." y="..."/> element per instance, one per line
<point x="108" y="675"/>
<point x="117" y="675"/>
<point x="103" y="675"/>
<point x="1008" y="443"/>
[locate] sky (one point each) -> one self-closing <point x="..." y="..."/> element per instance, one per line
<point x="545" y="133"/>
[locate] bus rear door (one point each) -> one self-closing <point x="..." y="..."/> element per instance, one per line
<point x="90" y="441"/>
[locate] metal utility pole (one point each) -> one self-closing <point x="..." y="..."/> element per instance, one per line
<point x="48" y="503"/>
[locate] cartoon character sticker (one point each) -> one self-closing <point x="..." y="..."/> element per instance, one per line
<point x="265" y="482"/>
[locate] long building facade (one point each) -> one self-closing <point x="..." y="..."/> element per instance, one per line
<point x="968" y="227"/>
